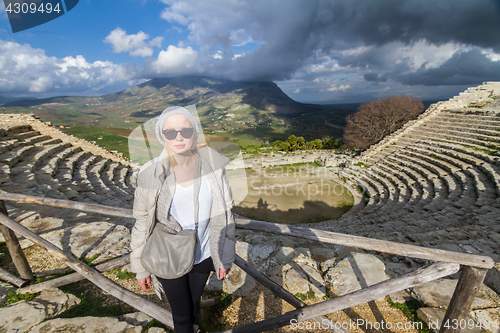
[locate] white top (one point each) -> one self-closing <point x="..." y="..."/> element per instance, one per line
<point x="182" y="209"/>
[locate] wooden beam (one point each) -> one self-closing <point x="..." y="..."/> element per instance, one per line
<point x="367" y="243"/>
<point x="288" y="230"/>
<point x="466" y="290"/>
<point x="91" y="274"/>
<point x="82" y="206"/>
<point x="410" y="280"/>
<point x="6" y="276"/>
<point x="75" y="277"/>
<point x="15" y="250"/>
<point x="268" y="283"/>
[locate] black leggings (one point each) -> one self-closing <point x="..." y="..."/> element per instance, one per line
<point x="184" y="295"/>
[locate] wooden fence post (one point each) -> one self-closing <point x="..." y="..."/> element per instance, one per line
<point x="15" y="250"/>
<point x="467" y="287"/>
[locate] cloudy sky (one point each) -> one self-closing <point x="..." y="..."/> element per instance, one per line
<point x="316" y="51"/>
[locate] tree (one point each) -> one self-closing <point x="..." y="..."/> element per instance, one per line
<point x="331" y="143"/>
<point x="375" y="120"/>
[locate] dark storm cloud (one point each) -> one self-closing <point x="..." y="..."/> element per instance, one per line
<point x="292" y="34"/>
<point x="464" y="68"/>
<point x="374" y="77"/>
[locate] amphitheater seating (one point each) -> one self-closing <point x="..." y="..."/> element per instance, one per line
<point x="437" y="181"/>
<point x="35" y="163"/>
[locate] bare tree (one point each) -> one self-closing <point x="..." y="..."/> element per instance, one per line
<point x="375" y="120"/>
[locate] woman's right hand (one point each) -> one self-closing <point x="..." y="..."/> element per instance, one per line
<point x="145" y="283"/>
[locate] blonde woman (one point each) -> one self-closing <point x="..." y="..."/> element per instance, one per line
<point x="169" y="189"/>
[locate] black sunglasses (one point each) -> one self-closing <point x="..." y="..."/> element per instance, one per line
<point x="171" y="134"/>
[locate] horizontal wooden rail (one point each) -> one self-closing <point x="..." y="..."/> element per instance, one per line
<point x="92" y="274"/>
<point x="6" y="276"/>
<point x="74" y="277"/>
<point x="370" y="244"/>
<point x="365" y="243"/>
<point x="82" y="206"/>
<point x="410" y="280"/>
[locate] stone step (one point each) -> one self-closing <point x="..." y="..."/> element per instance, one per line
<point x="12" y="157"/>
<point x="8" y="145"/>
<point x="482" y="141"/>
<point x="22" y="136"/>
<point x="469" y="194"/>
<point x="451" y="122"/>
<point x="484" y="134"/>
<point x="51" y="167"/>
<point x="35" y="139"/>
<point x="67" y="167"/>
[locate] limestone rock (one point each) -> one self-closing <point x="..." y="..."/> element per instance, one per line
<point x="4" y="291"/>
<point x="321" y="254"/>
<point x="433" y="317"/>
<point x="296" y="281"/>
<point x="21" y="316"/>
<point x="136" y="319"/>
<point x="488" y="318"/>
<point x="238" y="282"/>
<point x="86" y="325"/>
<point x="438" y="294"/>
<point x="316" y="282"/>
<point x="156" y="330"/>
<point x="284" y="254"/>
<point x="260" y="252"/>
<point x="359" y="271"/>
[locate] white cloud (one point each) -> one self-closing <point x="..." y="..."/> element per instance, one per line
<point x="28" y="70"/>
<point x="176" y="61"/>
<point x="342" y="87"/>
<point x="135" y="45"/>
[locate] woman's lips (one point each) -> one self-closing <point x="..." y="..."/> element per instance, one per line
<point x="179" y="146"/>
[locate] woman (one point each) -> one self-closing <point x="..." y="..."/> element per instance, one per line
<point x="168" y="191"/>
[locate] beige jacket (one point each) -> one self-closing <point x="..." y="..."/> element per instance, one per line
<point x="221" y="223"/>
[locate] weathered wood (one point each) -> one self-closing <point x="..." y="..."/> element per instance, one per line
<point x="268" y="283"/>
<point x="466" y="290"/>
<point x="75" y="277"/>
<point x="15" y="250"/>
<point x="410" y="280"/>
<point x="6" y="276"/>
<point x="289" y="230"/>
<point x="280" y="291"/>
<point x="50" y="272"/>
<point x="93" y="275"/>
<point x="367" y="243"/>
<point x="82" y="206"/>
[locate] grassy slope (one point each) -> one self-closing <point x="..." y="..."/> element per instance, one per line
<point x="246" y="113"/>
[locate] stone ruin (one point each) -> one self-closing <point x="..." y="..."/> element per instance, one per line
<point x="434" y="183"/>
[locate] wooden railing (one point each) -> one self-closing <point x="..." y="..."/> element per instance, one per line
<point x="446" y="263"/>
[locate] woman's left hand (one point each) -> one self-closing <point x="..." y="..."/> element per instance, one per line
<point x="223" y="273"/>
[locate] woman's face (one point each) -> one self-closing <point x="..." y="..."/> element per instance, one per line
<point x="179" y="145"/>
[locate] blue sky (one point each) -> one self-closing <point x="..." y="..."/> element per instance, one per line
<point x="317" y="51"/>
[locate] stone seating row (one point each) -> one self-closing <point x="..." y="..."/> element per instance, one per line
<point x="33" y="163"/>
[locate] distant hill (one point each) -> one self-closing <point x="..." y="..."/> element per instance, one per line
<point x="228" y="109"/>
<point x="4" y="99"/>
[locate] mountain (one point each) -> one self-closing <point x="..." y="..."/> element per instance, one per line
<point x="4" y="99"/>
<point x="258" y="110"/>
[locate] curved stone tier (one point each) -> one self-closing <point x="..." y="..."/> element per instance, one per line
<point x="38" y="159"/>
<point x="436" y="182"/>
